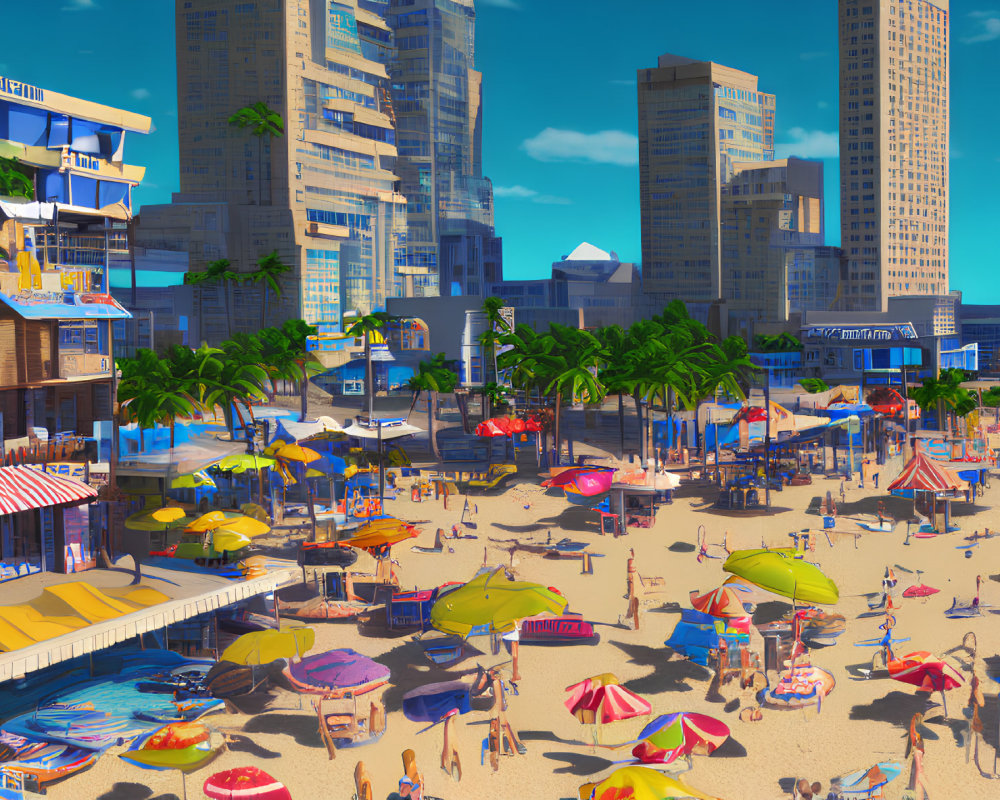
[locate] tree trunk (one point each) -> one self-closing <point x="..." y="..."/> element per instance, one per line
<point x="413" y="403"/>
<point x="642" y="429"/>
<point x="431" y="403"/>
<point x="621" y="427"/>
<point x="369" y="378"/>
<point x="556" y="432"/>
<point x="304" y="396"/>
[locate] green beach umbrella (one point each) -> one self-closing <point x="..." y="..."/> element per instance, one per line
<point x="778" y="571"/>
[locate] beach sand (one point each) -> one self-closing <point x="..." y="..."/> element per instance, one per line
<point x="862" y="721"/>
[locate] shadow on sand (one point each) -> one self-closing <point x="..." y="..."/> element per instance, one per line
<point x="301" y="727"/>
<point x="578" y="764"/>
<point x="667" y="676"/>
<point x="134" y="791"/>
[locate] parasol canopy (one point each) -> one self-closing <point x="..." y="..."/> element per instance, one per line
<point x="337" y="670"/>
<point x="381" y="533"/>
<point x="599" y="699"/>
<point x="263" y="647"/>
<point x="247" y="526"/>
<point x="161" y="519"/>
<point x="722" y="602"/>
<point x="780" y="572"/>
<point x="241" y="462"/>
<point x="296" y="452"/>
<point x="245" y="783"/>
<point x="489" y="600"/>
<point x="194" y="480"/>
<point x="208" y="522"/>
<point x="224" y="541"/>
<point x="681" y="734"/>
<point x="925" y="671"/>
<point x="640" y="783"/>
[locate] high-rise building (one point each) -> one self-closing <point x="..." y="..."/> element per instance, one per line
<point x="774" y="262"/>
<point x="323" y="195"/>
<point x="893" y="149"/>
<point x="696" y="118"/>
<point x="437" y="99"/>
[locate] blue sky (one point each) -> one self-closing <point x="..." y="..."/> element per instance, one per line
<point x="560" y="107"/>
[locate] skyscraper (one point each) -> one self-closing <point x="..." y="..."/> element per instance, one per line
<point x="323" y="194"/>
<point x="893" y="149"/>
<point x="437" y="99"/>
<point x="696" y="118"/>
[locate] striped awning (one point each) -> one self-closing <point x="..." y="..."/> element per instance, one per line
<point x="24" y="488"/>
<point x="923" y="474"/>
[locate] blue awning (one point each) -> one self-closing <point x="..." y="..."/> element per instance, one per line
<point x="87" y="306"/>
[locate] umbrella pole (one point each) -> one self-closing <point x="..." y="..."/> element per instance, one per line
<point x="184" y="788"/>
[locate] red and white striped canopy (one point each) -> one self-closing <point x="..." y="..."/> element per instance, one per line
<point x="926" y="475"/>
<point x="24" y="488"/>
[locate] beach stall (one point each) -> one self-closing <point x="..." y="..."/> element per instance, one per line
<point x="926" y="479"/>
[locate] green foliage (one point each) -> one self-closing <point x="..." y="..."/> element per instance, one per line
<point x="782" y="343"/>
<point x="814" y="385"/>
<point x="15" y="179"/>
<point x="434" y="375"/>
<point x="947" y="391"/>
<point x="214" y="271"/>
<point x="991" y="397"/>
<point x="269" y="269"/>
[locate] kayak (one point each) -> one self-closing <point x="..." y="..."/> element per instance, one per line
<point x="40" y="762"/>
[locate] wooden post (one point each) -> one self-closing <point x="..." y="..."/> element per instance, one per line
<point x="450" y="761"/>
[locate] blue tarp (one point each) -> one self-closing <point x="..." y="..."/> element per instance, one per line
<point x="67" y="311"/>
<point x="697" y="633"/>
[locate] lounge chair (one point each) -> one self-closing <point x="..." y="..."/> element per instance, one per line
<point x="493" y="477"/>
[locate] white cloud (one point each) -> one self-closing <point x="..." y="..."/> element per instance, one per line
<point x="988" y="23"/>
<point x="500" y="4"/>
<point x="513" y="191"/>
<point x="524" y="193"/>
<point x="140" y="94"/>
<point x="603" y="147"/>
<point x="809" y="144"/>
<point x="80" y="5"/>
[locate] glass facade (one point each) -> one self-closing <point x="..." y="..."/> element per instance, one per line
<point x="436" y="96"/>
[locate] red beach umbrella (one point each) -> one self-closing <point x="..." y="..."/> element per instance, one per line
<point x="927" y="672"/>
<point x="600" y="700"/>
<point x="684" y="733"/>
<point x="722" y="602"/>
<point x="245" y="783"/>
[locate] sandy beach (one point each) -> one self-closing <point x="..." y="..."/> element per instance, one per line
<point x="862" y="722"/>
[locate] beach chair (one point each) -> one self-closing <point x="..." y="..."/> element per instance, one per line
<point x="493" y="477"/>
<point x="362" y="783"/>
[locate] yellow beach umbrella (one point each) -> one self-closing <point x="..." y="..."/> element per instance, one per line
<point x="241" y="462"/>
<point x="296" y="452"/>
<point x="640" y="783"/>
<point x="145" y="521"/>
<point x="263" y="647"/>
<point x="194" y="480"/>
<point x="246" y="526"/>
<point x="224" y="541"/>
<point x="168" y="514"/>
<point x="208" y="522"/>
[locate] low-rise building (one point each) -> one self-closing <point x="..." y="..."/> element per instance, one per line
<point x="63" y="223"/>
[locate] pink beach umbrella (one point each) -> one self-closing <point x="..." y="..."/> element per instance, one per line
<point x="600" y="699"/>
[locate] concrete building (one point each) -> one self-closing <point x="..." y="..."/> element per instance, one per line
<point x="894" y="95"/>
<point x="63" y="220"/>
<point x="696" y="119"/>
<point x="588" y="287"/>
<point x="980" y="325"/>
<point x="774" y="263"/>
<point x="918" y="333"/>
<point x="437" y="100"/>
<point x="323" y="195"/>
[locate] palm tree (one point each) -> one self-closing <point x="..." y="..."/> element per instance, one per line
<point x="285" y="357"/>
<point x="619" y="372"/>
<point x="270" y="268"/>
<point x="237" y="377"/>
<point x="945" y="394"/>
<point x="434" y="376"/>
<point x="149" y="393"/>
<point x="368" y="325"/>
<point x="220" y="272"/>
<point x="489" y="340"/>
<point x="262" y="123"/>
